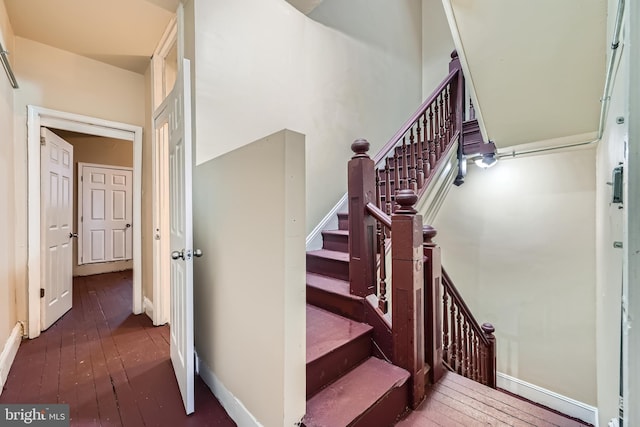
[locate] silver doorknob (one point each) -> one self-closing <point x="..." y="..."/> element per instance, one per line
<point x="177" y="254"/>
<point x="197" y="253"/>
<point x="71" y="235"/>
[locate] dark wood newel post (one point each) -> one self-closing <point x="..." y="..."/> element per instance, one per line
<point x="362" y="227"/>
<point x="432" y="304"/>
<point x="488" y="330"/>
<point x="457" y="87"/>
<point x="407" y="292"/>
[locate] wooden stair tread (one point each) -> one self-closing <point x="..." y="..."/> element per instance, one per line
<point x="327" y="332"/>
<point x="329" y="284"/>
<point x="336" y="232"/>
<point x="346" y="400"/>
<point x="334" y="255"/>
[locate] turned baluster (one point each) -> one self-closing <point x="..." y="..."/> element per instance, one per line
<point x="460" y="339"/>
<point x="426" y="166"/>
<point x="396" y="177"/>
<point x="383" y="304"/>
<point x="419" y="158"/>
<point x="447" y="114"/>
<point x="413" y="178"/>
<point x="453" y="349"/>
<point x="388" y="192"/>
<point x="436" y="126"/>
<point x="476" y="358"/>
<point x="488" y="330"/>
<point x="432" y="143"/>
<point x="483" y="363"/>
<point x="445" y="325"/>
<point x="465" y="346"/>
<point x="405" y="165"/>
<point x="440" y="140"/>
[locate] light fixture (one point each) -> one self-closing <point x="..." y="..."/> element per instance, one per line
<point x="7" y="67"/>
<point x="487" y="160"/>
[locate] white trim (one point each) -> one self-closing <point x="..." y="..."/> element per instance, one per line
<point x="234" y="407"/>
<point x="548" y="398"/>
<point x="174" y="34"/>
<point x="329" y="222"/>
<point x="36" y="118"/>
<point x="9" y="353"/>
<point x="147" y="306"/>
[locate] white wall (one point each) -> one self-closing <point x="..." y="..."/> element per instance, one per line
<point x="249" y="286"/>
<point x="263" y="66"/>
<point x="437" y="45"/>
<point x="518" y="240"/>
<point x="61" y="80"/>
<point x="8" y="316"/>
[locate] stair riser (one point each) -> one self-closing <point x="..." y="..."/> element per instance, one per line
<point x="328" y="267"/>
<point x="343" y="221"/>
<point x="387" y="411"/>
<point x="335" y="242"/>
<point x="350" y="308"/>
<point x="332" y="366"/>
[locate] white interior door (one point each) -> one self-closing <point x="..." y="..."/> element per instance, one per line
<point x="177" y="111"/>
<point x="105" y="213"/>
<point x="56" y="173"/>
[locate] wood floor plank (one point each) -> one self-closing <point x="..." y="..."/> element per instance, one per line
<point x="110" y="366"/>
<point x="516" y="403"/>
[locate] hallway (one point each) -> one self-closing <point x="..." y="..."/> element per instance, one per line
<point x="110" y="366"/>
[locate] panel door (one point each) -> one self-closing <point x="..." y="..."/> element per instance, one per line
<point x="106" y="214"/>
<point x="56" y="180"/>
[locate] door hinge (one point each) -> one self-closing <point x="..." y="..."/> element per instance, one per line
<point x="43" y="141"/>
<point x="41" y="292"/>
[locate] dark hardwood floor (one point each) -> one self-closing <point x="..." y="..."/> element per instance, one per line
<point x="458" y="401"/>
<point x="110" y="366"/>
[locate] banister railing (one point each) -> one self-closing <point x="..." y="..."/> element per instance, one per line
<point x="467" y="347"/>
<point x="382" y="193"/>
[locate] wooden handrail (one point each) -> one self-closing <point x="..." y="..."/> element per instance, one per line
<point x="386" y="149"/>
<point x="379" y="214"/>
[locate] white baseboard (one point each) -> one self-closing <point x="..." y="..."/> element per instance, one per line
<point x="234" y="407"/>
<point x="329" y="222"/>
<point x="548" y="398"/>
<point x="9" y="353"/>
<point x="147" y="307"/>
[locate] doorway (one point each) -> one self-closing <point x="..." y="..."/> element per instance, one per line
<point x="41" y="117"/>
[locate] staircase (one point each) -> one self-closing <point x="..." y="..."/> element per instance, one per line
<point x="368" y="306"/>
<point x="347" y="385"/>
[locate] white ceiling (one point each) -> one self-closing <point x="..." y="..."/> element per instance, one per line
<point x="538" y="67"/>
<point x="123" y="33"/>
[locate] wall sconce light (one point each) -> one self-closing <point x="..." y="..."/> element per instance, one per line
<point x="7" y="67"/>
<point x="486" y="161"/>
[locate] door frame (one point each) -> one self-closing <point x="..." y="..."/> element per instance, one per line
<point x="173" y="34"/>
<point x="38" y="117"/>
